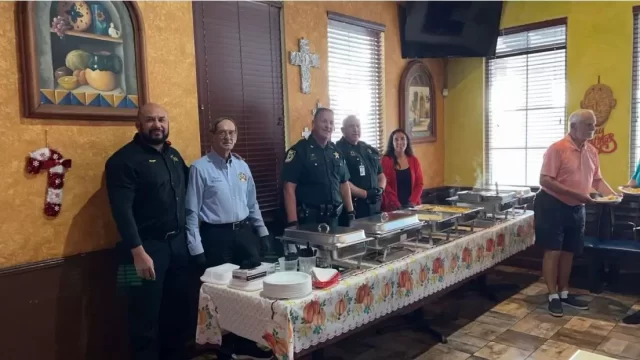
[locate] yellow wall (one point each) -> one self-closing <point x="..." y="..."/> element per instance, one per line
<point x="599" y="43"/>
<point x="309" y="20"/>
<point x="85" y="223"/>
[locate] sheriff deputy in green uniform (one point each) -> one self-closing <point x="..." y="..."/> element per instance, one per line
<point x="363" y="162"/>
<point x="315" y="177"/>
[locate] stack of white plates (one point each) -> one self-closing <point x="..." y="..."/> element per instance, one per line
<point x="287" y="285"/>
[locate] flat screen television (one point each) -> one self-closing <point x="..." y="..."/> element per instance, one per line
<point x="436" y="29"/>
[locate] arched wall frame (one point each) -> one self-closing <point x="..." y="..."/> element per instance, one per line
<point x="116" y="98"/>
<point x="417" y="103"/>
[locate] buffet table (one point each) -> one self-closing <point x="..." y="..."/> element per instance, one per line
<point x="291" y="326"/>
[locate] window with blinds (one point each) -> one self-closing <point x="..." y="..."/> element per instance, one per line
<point x="635" y="96"/>
<point x="526" y="107"/>
<point x="355" y="75"/>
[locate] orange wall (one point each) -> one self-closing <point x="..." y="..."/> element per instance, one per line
<point x="309" y="20"/>
<point x="85" y="223"/>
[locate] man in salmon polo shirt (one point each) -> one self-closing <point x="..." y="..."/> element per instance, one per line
<point x="570" y="170"/>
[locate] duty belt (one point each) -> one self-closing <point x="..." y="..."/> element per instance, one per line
<point x="329" y="210"/>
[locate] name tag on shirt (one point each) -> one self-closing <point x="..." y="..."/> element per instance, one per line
<point x="362" y="172"/>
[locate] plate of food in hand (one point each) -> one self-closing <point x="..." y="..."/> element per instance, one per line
<point x="629" y="190"/>
<point x="611" y="199"/>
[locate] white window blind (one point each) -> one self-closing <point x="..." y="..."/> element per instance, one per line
<point x="355" y="75"/>
<point x="635" y="99"/>
<point x="526" y="107"/>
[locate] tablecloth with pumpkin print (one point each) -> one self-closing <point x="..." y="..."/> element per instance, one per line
<point x="290" y="326"/>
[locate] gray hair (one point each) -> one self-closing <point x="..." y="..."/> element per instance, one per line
<point x="350" y="117"/>
<point x="580" y="115"/>
<point x="213" y="126"/>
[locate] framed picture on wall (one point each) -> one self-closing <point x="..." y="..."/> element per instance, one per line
<point x="417" y="103"/>
<point x="81" y="60"/>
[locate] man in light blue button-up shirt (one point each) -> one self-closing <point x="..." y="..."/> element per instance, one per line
<point x="221" y="204"/>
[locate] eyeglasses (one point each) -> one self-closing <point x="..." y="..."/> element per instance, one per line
<point x="223" y="134"/>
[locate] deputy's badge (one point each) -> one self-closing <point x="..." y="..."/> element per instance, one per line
<point x="336" y="155"/>
<point x="242" y="177"/>
<point x="352" y="153"/>
<point x="290" y="155"/>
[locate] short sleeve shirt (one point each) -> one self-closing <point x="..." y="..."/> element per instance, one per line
<point x="317" y="172"/>
<point x="574" y="167"/>
<point x="363" y="163"/>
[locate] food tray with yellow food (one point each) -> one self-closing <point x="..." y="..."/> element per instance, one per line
<point x="629" y="190"/>
<point x="611" y="199"/>
<point x="444" y="208"/>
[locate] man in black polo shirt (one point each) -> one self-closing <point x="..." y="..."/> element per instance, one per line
<point x="146" y="183"/>
<point x="363" y="162"/>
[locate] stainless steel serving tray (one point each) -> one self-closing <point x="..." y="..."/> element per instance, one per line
<point x="409" y="233"/>
<point x="321" y="234"/>
<point x="337" y="251"/>
<point x="465" y="214"/>
<point x="485" y="197"/>
<point x="518" y="190"/>
<point x="438" y="221"/>
<point x="381" y="224"/>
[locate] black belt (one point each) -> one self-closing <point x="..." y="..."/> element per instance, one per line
<point x="323" y="210"/>
<point x="229" y="226"/>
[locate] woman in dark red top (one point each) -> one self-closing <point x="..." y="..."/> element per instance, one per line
<point x="403" y="173"/>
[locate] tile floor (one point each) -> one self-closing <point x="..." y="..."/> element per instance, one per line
<point x="518" y="327"/>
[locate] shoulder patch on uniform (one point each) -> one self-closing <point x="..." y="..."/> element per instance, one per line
<point x="290" y="155"/>
<point x="237" y="156"/>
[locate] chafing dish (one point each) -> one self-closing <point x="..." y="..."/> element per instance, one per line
<point x="337" y="243"/>
<point x="322" y="234"/>
<point x="478" y="197"/>
<point x="437" y="221"/>
<point x="386" y="222"/>
<point x="465" y="214"/>
<point x="389" y="228"/>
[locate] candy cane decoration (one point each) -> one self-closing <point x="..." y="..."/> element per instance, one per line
<point x="56" y="165"/>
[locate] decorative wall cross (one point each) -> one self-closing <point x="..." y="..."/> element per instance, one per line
<point x="306" y="60"/>
<point x="318" y="106"/>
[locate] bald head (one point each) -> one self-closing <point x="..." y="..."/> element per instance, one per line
<point x="582" y="124"/>
<point x="153" y="124"/>
<point x="151" y="109"/>
<point x="351" y="129"/>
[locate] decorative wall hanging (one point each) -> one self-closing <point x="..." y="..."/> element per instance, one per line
<point x="599" y="99"/>
<point x="417" y="103"/>
<point x="82" y="60"/>
<point x="318" y="106"/>
<point x="306" y="60"/>
<point x="56" y="165"/>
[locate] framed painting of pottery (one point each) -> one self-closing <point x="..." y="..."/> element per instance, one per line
<point x="417" y="103"/>
<point x="81" y="60"/>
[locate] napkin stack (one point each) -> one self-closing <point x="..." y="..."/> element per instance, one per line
<point x="324" y="278"/>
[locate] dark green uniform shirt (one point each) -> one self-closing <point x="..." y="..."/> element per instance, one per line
<point x="363" y="163"/>
<point x="316" y="171"/>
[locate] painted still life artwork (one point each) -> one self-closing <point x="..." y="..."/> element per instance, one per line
<point x="82" y="59"/>
<point x="417" y="103"/>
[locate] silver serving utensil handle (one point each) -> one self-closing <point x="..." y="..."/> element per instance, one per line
<point x="384" y="216"/>
<point x="324" y="225"/>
